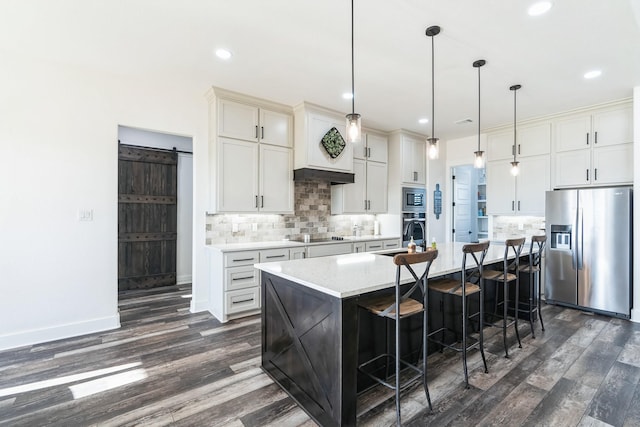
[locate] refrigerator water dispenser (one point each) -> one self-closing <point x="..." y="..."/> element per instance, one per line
<point x="561" y="237"/>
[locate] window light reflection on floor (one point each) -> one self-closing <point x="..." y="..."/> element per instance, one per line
<point x="107" y="383"/>
<point x="65" y="380"/>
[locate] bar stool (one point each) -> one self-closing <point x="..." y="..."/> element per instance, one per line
<point x="535" y="288"/>
<point x="471" y="283"/>
<point x="386" y="306"/>
<point x="505" y="277"/>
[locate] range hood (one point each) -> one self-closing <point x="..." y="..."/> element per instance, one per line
<point x="323" y="175"/>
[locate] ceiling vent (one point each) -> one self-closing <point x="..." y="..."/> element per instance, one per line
<point x="464" y="121"/>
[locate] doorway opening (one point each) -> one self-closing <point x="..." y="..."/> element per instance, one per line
<point x="469" y="208"/>
<point x="155" y="205"/>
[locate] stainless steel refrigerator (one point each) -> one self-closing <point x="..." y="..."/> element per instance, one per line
<point x="589" y="249"/>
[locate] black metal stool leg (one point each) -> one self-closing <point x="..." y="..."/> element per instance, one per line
<point x="516" y="306"/>
<point x="505" y="298"/>
<point x="464" y="339"/>
<point x="531" y="295"/>
<point x="538" y="282"/>
<point x="484" y="360"/>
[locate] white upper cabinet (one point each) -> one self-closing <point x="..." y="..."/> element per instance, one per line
<point x="250" y="146"/>
<point x="311" y="124"/>
<point x="594" y="148"/>
<point x="368" y="193"/>
<point x="414" y="161"/>
<point x="532" y="140"/>
<point x="250" y="123"/>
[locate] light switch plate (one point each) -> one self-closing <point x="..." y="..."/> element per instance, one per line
<point x="85" y="214"/>
<point x="254" y="226"/>
<point x="234" y="227"/>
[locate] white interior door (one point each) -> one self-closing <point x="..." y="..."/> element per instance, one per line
<point x="462" y="208"/>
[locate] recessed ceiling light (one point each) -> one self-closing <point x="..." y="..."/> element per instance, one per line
<point x="592" y="74"/>
<point x="347" y="95"/>
<point x="223" y="54"/>
<point x="423" y="121"/>
<point x="539" y="8"/>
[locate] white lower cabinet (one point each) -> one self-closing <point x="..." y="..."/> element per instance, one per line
<point x="358" y="247"/>
<point x="297" y="253"/>
<point x="236" y="283"/>
<point x="328" y="249"/>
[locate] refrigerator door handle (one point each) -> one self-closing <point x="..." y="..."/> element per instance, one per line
<point x="580" y="240"/>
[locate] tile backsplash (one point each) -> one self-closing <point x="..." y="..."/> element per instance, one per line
<point x="312" y="216"/>
<point x="505" y="227"/>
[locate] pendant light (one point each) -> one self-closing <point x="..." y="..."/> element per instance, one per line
<point x="515" y="168"/>
<point x="432" y="146"/>
<point x="479" y="161"/>
<point x="353" y="123"/>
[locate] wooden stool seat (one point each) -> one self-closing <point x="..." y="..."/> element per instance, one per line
<point x="450" y="286"/>
<point x="379" y="305"/>
<point x="529" y="269"/>
<point x="498" y="276"/>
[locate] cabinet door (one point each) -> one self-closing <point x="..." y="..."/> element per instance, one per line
<point x="377" y="148"/>
<point x="276" y="128"/>
<point x="501" y="187"/>
<point x="531" y="185"/>
<point x="534" y="140"/>
<point x="613" y="164"/>
<point x="358" y="247"/>
<point x="572" y="168"/>
<point x="236" y="120"/>
<point x="613" y="127"/>
<point x="276" y="179"/>
<point x="376" y="187"/>
<point x="413" y="161"/>
<point x="360" y="147"/>
<point x="573" y="133"/>
<point x="237" y="176"/>
<point x="353" y="195"/>
<point x="500" y="146"/>
<point x="297" y="253"/>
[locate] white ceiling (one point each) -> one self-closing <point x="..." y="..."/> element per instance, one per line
<point x="293" y="50"/>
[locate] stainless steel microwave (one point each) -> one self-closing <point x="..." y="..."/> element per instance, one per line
<point x="414" y="199"/>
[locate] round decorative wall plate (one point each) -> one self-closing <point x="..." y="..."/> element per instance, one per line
<point x="333" y="142"/>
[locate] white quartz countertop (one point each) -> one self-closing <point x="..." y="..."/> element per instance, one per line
<point x="344" y="276"/>
<point x="248" y="246"/>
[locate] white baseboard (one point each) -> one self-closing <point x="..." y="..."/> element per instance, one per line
<point x="183" y="279"/>
<point x="37" y="336"/>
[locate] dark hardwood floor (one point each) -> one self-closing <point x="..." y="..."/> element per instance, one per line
<point x="166" y="366"/>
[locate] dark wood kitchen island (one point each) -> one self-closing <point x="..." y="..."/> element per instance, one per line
<point x="310" y="324"/>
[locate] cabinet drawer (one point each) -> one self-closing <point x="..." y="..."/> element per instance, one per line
<point x="234" y="259"/>
<point x="240" y="278"/>
<point x="373" y="246"/>
<point x="329" y="249"/>
<point x="274" y="255"/>
<point x="242" y="300"/>
<point x="391" y="244"/>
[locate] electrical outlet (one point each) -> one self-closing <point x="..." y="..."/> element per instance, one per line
<point x="520" y="226"/>
<point x="254" y="226"/>
<point x="85" y="214"/>
<point x="234" y="227"/>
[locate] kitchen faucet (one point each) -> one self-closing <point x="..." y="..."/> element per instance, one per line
<point x="409" y="226"/>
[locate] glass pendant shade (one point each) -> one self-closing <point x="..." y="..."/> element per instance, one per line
<point x="479" y="161"/>
<point x="432" y="148"/>
<point x="354" y="127"/>
<point x="515" y="168"/>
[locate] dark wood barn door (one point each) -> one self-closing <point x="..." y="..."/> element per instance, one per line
<point x="147" y="217"/>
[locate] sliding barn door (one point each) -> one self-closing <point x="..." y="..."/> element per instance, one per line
<point x="147" y="217"/>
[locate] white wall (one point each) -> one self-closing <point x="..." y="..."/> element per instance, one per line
<point x="58" y="136"/>
<point x="635" y="312"/>
<point x="184" y="240"/>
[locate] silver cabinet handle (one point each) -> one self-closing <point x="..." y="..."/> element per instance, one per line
<point x="587" y="175"/>
<point x="587" y="138"/>
<point x="518" y="148"/>
<point x="595" y="174"/>
<point x="241" y="301"/>
<point x="518" y="205"/>
<point x="243" y="259"/>
<point x="595" y="139"/>
<point x="275" y="256"/>
<point x="262" y="131"/>
<point x="242" y="278"/>
<point x="256" y="201"/>
<point x="365" y="151"/>
<point x="415" y="176"/>
<point x="368" y="152"/>
<point x="256" y="131"/>
<point x="513" y="205"/>
<point x="262" y="201"/>
<point x="365" y="205"/>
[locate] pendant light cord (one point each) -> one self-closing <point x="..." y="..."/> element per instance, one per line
<point x="433" y="95"/>
<point x="515" y="148"/>
<point x="353" y="93"/>
<point x="479" y="108"/>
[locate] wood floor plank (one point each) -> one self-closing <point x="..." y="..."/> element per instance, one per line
<point x="612" y="400"/>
